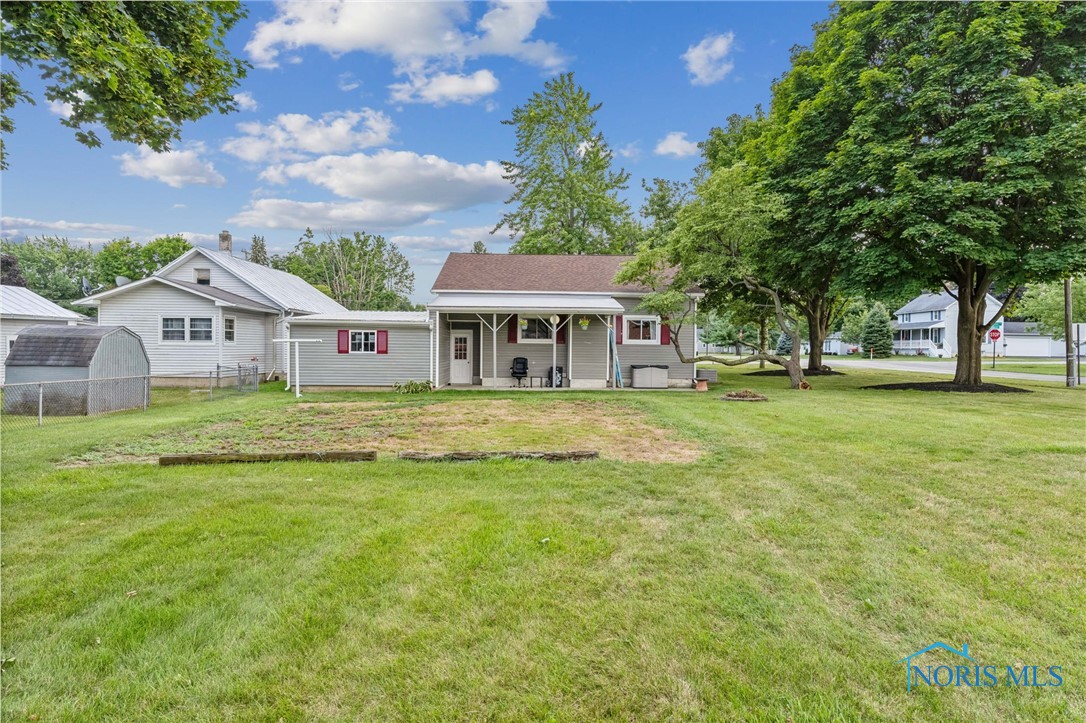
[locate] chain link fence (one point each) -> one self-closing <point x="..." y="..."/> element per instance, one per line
<point x="46" y="403"/>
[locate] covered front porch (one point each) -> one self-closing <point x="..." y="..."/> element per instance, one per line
<point x="524" y="340"/>
<point x="923" y="339"/>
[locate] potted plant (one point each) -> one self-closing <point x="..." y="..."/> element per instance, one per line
<point x="523" y="323"/>
<point x="584" y="323"/>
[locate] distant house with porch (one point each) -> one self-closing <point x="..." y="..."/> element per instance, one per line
<point x="502" y="320"/>
<point x="927" y="325"/>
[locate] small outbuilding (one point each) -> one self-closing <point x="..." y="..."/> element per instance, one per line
<point x="104" y="369"/>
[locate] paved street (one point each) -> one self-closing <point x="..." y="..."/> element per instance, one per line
<point x="931" y="367"/>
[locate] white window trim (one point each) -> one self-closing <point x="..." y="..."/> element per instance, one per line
<point x="224" y="320"/>
<point x="521" y="329"/>
<point x="187" y="340"/>
<point x="641" y="317"/>
<point x="196" y="276"/>
<point x="350" y="343"/>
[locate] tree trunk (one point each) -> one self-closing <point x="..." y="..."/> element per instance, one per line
<point x="816" y="328"/>
<point x="971" y="302"/>
<point x="763" y="340"/>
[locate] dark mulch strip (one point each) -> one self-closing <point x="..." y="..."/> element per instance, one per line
<point x="784" y="373"/>
<point x="950" y="387"/>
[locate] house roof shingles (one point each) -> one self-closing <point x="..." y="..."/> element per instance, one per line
<point x="57" y="346"/>
<point x="528" y="272"/>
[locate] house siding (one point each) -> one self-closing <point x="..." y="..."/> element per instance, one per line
<point x="10" y="328"/>
<point x="630" y="354"/>
<point x="220" y="279"/>
<point x="142" y="309"/>
<point x="408" y="357"/>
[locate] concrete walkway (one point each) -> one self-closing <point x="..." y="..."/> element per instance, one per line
<point x="933" y="367"/>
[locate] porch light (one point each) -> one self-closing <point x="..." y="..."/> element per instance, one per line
<point x="555" y="319"/>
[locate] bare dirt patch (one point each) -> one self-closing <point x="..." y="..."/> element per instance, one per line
<point x="618" y="431"/>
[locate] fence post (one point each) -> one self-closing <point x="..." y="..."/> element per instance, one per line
<point x="41" y="401"/>
<point x="210" y="386"/>
<point x="146" y="393"/>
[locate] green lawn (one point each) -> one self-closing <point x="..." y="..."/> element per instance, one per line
<point x="818" y="538"/>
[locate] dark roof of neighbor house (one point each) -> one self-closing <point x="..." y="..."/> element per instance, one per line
<point x="533" y="272"/>
<point x="1021" y="327"/>
<point x="45" y="345"/>
<point x="928" y="302"/>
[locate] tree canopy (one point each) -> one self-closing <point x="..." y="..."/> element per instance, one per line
<point x="138" y="69"/>
<point x="360" y="271"/>
<point x="1044" y="304"/>
<point x="565" y="193"/>
<point x="124" y="257"/>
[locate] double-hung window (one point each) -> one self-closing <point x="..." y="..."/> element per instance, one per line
<point x="363" y="342"/>
<point x="173" y="329"/>
<point x="200" y="328"/>
<point x="534" y="328"/>
<point x="229" y="325"/>
<point x="642" y="330"/>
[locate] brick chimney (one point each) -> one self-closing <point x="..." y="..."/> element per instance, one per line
<point x="226" y="242"/>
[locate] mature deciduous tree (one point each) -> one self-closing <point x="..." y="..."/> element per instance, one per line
<point x="10" y="275"/>
<point x="565" y="193"/>
<point x="53" y="267"/>
<point x="711" y="247"/>
<point x="138" y="69"/>
<point x="124" y="257"/>
<point x="1044" y="304"/>
<point x="963" y="158"/>
<point x="360" y="271"/>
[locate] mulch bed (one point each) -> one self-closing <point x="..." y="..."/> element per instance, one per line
<point x="784" y="373"/>
<point x="951" y="387"/>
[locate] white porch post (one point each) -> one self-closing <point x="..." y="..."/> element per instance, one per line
<point x="612" y="339"/>
<point x="437" y="356"/>
<point x="569" y="350"/>
<point x="494" y="349"/>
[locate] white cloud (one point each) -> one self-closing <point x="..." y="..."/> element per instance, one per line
<point x="174" y="168"/>
<point x="388" y="189"/>
<point x="64" y="109"/>
<point x="179" y="205"/>
<point x="675" y="144"/>
<point x="442" y="88"/>
<point x="347" y="82"/>
<point x="291" y="135"/>
<point x="428" y="42"/>
<point x="246" y="101"/>
<point x="457" y="239"/>
<point x="19" y="225"/>
<point x="631" y="150"/>
<point x="194" y="237"/>
<point x="399" y="176"/>
<point x="708" y="62"/>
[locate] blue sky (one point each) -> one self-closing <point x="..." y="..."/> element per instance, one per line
<point x="386" y="118"/>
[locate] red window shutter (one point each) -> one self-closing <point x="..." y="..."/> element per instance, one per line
<point x="513" y="331"/>
<point x="561" y="333"/>
<point x="344" y="337"/>
<point x="665" y="335"/>
<point x="382" y="341"/>
<point x="618" y="329"/>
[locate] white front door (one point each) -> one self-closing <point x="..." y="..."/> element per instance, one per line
<point x="460" y="357"/>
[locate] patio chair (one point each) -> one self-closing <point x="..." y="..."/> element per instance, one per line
<point x="519" y="370"/>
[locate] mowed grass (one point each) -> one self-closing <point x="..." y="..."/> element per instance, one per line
<point x="821" y="537"/>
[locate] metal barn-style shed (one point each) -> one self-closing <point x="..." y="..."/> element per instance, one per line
<point x="76" y="370"/>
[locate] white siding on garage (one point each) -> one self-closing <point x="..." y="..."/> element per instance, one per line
<point x="408" y="357"/>
<point x="220" y="278"/>
<point x="9" y="329"/>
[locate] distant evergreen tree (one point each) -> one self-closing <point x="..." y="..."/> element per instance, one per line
<point x="784" y="345"/>
<point x="258" y="251"/>
<point x="878" y="335"/>
<point x="478" y="248"/>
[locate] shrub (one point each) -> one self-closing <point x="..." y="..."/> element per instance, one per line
<point x="413" y="387"/>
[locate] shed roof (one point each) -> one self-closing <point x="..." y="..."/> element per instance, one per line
<point x="44" y="345"/>
<point x="20" y="302"/>
<point x="534" y="272"/>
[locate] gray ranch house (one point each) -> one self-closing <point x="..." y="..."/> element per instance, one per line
<point x="502" y="320"/>
<point x="208" y="309"/>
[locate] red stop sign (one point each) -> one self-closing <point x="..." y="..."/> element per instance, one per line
<point x="994" y="334"/>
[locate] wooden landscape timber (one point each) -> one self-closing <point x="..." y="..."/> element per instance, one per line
<point x="168" y="460"/>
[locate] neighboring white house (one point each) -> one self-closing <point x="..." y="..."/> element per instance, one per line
<point x="1021" y="338"/>
<point x="19" y="308"/>
<point x="208" y="309"/>
<point x="927" y="325"/>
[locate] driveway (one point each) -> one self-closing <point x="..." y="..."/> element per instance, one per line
<point x="931" y="367"/>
